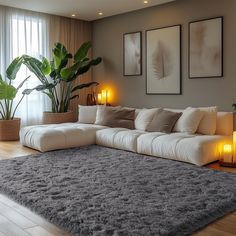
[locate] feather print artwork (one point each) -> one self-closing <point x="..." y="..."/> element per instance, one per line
<point x="161" y="61"/>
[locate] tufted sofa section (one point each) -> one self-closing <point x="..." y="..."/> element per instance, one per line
<point x="58" y="136"/>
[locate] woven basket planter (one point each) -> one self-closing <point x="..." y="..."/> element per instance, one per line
<point x="9" y="129"/>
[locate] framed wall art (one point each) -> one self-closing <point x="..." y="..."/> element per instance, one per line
<point x="163" y="60"/>
<point x="206" y="48"/>
<point x="132" y="53"/>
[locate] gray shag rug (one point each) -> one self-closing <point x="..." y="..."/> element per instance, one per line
<point x="100" y="191"/>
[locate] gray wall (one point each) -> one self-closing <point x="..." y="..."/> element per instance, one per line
<point x="130" y="91"/>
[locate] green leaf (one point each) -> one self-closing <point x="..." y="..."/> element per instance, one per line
<point x="45" y="67"/>
<point x="81" y="86"/>
<point x="40" y="87"/>
<point x="84" y="69"/>
<point x="82" y="51"/>
<point x="35" y="66"/>
<point x="7" y="91"/>
<point x="59" y="53"/>
<point x="68" y="73"/>
<point x="14" y="67"/>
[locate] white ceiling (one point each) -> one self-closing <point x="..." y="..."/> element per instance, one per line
<point x="84" y="9"/>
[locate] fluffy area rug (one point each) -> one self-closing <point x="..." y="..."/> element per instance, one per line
<point x="100" y="191"/>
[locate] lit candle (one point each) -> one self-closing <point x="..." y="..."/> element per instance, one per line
<point x="234" y="146"/>
<point x="99" y="98"/>
<point x="108" y="96"/>
<point x="227" y="153"/>
<point x="104" y="97"/>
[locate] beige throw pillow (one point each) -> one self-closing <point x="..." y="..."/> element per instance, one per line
<point x="100" y="111"/>
<point x="144" y="117"/>
<point x="208" y="123"/>
<point x="189" y="121"/>
<point x="163" y="121"/>
<point x="224" y="123"/>
<point x="117" y="117"/>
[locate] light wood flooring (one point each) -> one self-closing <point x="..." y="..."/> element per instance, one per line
<point x="16" y="220"/>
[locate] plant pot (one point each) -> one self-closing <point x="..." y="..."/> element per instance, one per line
<point x="9" y="129"/>
<point x="57" y="118"/>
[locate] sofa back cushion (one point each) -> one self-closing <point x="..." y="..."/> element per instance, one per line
<point x="87" y="114"/>
<point x="163" y="121"/>
<point x="224" y="123"/>
<point x="207" y="124"/>
<point x="189" y="121"/>
<point x="144" y="117"/>
<point x="116" y="117"/>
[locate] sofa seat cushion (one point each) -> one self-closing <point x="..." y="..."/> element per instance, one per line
<point x="119" y="138"/>
<point x="195" y="149"/>
<point x="52" y="137"/>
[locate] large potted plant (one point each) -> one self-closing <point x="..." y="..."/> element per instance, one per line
<point x="9" y="124"/>
<point x="58" y="76"/>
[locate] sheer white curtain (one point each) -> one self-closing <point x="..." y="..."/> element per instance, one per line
<point x="27" y="33"/>
<point x="2" y="40"/>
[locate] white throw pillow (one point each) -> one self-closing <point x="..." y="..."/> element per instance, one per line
<point x="87" y="114"/>
<point x="189" y="121"/>
<point x="137" y="112"/>
<point x="144" y="117"/>
<point x="99" y="114"/>
<point x="208" y="122"/>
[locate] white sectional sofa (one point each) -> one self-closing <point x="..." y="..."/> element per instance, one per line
<point x="198" y="149"/>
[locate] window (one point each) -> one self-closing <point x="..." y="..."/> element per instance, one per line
<point x="26" y="33"/>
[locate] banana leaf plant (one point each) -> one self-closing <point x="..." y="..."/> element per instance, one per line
<point x="63" y="70"/>
<point x="8" y="92"/>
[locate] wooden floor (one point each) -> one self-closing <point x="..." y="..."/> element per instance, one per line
<point x="16" y="220"/>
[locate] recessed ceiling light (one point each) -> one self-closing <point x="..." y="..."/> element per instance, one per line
<point x="100" y="13"/>
<point x="145" y="2"/>
<point x="73" y="15"/>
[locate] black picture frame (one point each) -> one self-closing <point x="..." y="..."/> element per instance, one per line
<point x="132" y="54"/>
<point x="195" y="62"/>
<point x="175" y="77"/>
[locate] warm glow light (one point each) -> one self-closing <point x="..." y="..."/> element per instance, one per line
<point x="227" y="148"/>
<point x="104" y="97"/>
<point x="145" y="2"/>
<point x="73" y="15"/>
<point x="234" y="146"/>
<point x="227" y="153"/>
<point x="99" y="98"/>
<point x="108" y="95"/>
<point x="100" y="13"/>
